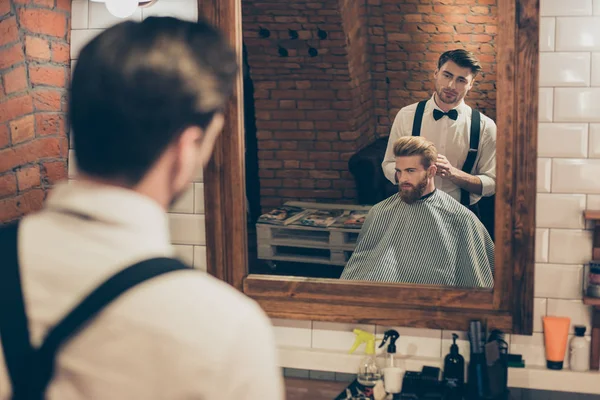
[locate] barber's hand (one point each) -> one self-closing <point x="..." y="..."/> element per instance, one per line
<point x="444" y="168"/>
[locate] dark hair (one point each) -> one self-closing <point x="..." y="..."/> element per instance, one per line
<point x="137" y="86"/>
<point x="462" y="58"/>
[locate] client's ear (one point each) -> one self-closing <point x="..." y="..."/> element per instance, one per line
<point x="431" y="171"/>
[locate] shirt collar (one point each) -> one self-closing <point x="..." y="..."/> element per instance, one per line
<point x="459" y="108"/>
<point x="113" y="205"/>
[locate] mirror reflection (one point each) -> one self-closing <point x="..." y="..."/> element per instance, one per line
<point x="331" y="90"/>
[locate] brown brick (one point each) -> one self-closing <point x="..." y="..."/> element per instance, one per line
<point x="11" y="55"/>
<point x="29" y="152"/>
<point x="15" y="207"/>
<point x="46" y="22"/>
<point x="28" y="177"/>
<point x="37" y="48"/>
<point x="8" y="184"/>
<point x="9" y="32"/>
<point x="22" y="129"/>
<point x="47" y="100"/>
<point x="66" y="5"/>
<point x="43" y="3"/>
<point x="15" y="80"/>
<point x="4" y="135"/>
<point x="47" y="75"/>
<point x="48" y="123"/>
<point x="4" y="7"/>
<point x="53" y="172"/>
<point x="15" y="107"/>
<point x="60" y="53"/>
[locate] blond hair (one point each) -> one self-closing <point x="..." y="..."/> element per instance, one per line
<point x="416" y="146"/>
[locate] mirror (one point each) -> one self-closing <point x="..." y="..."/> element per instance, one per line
<point x="328" y="89"/>
<point x="507" y="306"/>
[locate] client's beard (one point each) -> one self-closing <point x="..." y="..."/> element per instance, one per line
<point x="409" y="196"/>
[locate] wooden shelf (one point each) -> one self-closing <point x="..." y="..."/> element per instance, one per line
<point x="592" y="215"/>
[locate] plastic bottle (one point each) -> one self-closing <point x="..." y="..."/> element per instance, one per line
<point x="454" y="371"/>
<point x="368" y="371"/>
<point x="579" y="350"/>
<point x="393" y="373"/>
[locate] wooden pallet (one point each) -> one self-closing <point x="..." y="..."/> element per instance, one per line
<point x="299" y="243"/>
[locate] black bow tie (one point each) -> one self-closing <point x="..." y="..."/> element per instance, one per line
<point x="452" y="114"/>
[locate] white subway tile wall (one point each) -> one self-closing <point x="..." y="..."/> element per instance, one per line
<point x="568" y="180"/>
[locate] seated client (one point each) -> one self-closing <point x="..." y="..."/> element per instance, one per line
<point x="421" y="235"/>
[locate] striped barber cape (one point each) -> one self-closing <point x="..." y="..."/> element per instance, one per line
<point x="434" y="241"/>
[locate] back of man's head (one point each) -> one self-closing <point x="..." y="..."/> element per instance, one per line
<point x="137" y="86"/>
<point x="408" y="146"/>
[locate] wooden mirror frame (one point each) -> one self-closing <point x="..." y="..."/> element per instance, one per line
<point x="508" y="307"/>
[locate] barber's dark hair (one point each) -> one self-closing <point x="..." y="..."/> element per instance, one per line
<point x="462" y="58"/>
<point x="138" y="85"/>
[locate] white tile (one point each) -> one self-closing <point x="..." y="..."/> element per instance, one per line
<point x="198" y="198"/>
<point x="593" y="202"/>
<point x="539" y="310"/>
<point x="565" y="69"/>
<point x="579" y="313"/>
<point x="545" y="108"/>
<point x="72" y="165"/>
<point x="551" y="8"/>
<point x="596" y="7"/>
<point x="544" y="174"/>
<point x="185" y="203"/>
<point x="73" y="63"/>
<point x="292" y="333"/>
<point x="575" y="175"/>
<point x="577" y="104"/>
<point x="185" y="9"/>
<point x="337" y="336"/>
<point x="577" y="33"/>
<point x="594" y="141"/>
<point x="200" y="257"/>
<point x="530" y="347"/>
<point x="541" y="244"/>
<point x="79" y="38"/>
<point x="199" y="175"/>
<point x="595" y="69"/>
<point x="560" y="210"/>
<point x="416" y="342"/>
<point x="570" y="246"/>
<point x="562" y="140"/>
<point x="185" y="253"/>
<point x="100" y="18"/>
<point x="559" y="281"/>
<point x="79" y="14"/>
<point x="547" y="33"/>
<point x="187" y="229"/>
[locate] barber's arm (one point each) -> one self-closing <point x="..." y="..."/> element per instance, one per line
<point x="389" y="161"/>
<point x="483" y="183"/>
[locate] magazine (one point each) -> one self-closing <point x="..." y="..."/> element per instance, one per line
<point x="319" y="218"/>
<point x="283" y="215"/>
<point x="351" y="219"/>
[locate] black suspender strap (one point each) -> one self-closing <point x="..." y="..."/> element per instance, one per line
<point x="416" y="130"/>
<point x="472" y="154"/>
<point x="14" y="329"/>
<point x="34" y="369"/>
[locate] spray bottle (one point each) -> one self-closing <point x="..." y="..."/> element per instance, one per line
<point x="368" y="371"/>
<point x="393" y="373"/>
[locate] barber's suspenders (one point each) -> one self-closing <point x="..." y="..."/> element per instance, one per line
<point x="473" y="143"/>
<point x="31" y="369"/>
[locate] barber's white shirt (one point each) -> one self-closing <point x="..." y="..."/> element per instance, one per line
<point x="451" y="139"/>
<point x="184" y="335"/>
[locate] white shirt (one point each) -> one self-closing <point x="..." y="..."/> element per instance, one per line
<point x="184" y="335"/>
<point x="451" y="139"/>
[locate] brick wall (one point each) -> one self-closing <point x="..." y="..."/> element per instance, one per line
<point x="314" y="112"/>
<point x="414" y="35"/>
<point x="34" y="70"/>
